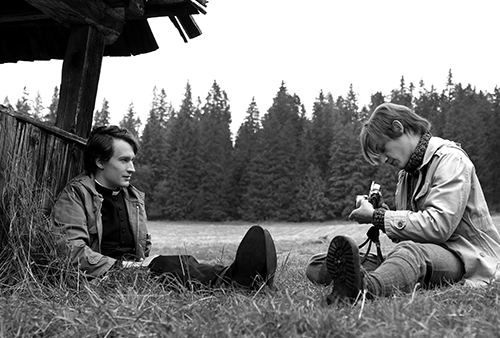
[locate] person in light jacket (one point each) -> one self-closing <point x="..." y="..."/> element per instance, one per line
<point x="101" y="223"/>
<point x="442" y="224"/>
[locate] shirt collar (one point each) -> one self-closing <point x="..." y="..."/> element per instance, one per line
<point x="106" y="191"/>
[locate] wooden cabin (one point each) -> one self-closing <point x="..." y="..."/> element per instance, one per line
<point x="81" y="33"/>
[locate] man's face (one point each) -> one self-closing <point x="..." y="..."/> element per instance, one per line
<point x="117" y="171"/>
<point x="397" y="152"/>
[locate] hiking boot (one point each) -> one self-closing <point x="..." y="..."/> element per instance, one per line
<point x="255" y="260"/>
<point x="342" y="263"/>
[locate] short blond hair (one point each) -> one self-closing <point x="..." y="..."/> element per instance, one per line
<point x="379" y="127"/>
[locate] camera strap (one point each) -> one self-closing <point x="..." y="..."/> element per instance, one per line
<point x="373" y="236"/>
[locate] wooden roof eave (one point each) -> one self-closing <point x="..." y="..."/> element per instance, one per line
<point x="109" y="16"/>
<point x="93" y="24"/>
<point x="96" y="13"/>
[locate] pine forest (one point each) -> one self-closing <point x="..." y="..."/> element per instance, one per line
<point x="286" y="164"/>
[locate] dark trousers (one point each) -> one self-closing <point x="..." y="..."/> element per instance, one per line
<point x="187" y="270"/>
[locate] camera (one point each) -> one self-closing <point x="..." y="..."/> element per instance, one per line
<point x="374" y="196"/>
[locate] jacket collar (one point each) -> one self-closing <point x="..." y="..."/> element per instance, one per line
<point x="435" y="143"/>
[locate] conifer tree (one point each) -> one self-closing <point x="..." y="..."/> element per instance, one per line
<point x="466" y="123"/>
<point x="215" y="152"/>
<point x="131" y="121"/>
<point x="428" y="105"/>
<point x="182" y="163"/>
<point x="163" y="108"/>
<point x="6" y="103"/>
<point x="312" y="203"/>
<point x="445" y="101"/>
<point x="375" y="100"/>
<point x="491" y="175"/>
<point x="38" y="108"/>
<point x="321" y="133"/>
<point x="275" y="175"/>
<point x="51" y="116"/>
<point x="403" y="95"/>
<point x="245" y="149"/>
<point x="350" y="174"/>
<point x="22" y="105"/>
<point x="101" y="117"/>
<point x="155" y="132"/>
<point x="150" y="168"/>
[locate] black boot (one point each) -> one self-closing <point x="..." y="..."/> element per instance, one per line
<point x="255" y="261"/>
<point x="343" y="265"/>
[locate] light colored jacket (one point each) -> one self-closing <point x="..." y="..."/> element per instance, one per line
<point x="78" y="224"/>
<point x="450" y="211"/>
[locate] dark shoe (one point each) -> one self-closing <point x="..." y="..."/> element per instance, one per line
<point x="272" y="260"/>
<point x="342" y="263"/>
<point x="255" y="260"/>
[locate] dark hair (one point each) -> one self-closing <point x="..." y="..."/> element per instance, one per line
<point x="100" y="145"/>
<point x="380" y="126"/>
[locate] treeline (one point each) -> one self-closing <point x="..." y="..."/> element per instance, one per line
<point x="284" y="165"/>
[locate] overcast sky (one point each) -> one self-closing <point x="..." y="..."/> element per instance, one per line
<point x="249" y="48"/>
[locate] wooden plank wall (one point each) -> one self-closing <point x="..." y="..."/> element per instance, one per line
<point x="51" y="155"/>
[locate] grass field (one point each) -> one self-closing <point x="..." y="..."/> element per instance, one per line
<point x="129" y="304"/>
<point x="218" y="241"/>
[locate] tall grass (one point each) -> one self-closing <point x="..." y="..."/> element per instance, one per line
<point x="41" y="296"/>
<point x="28" y="253"/>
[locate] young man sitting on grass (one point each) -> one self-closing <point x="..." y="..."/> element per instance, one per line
<point x="102" y="224"/>
<point x="442" y="224"/>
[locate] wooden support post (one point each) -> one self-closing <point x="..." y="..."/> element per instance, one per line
<point x="80" y="79"/>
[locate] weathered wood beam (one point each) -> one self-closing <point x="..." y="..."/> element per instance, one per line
<point x="80" y="79"/>
<point x="159" y="8"/>
<point x="21" y="11"/>
<point x="52" y="130"/>
<point x="177" y="25"/>
<point x="201" y="5"/>
<point x="190" y="26"/>
<point x="22" y="17"/>
<point x="136" y="10"/>
<point x="96" y="13"/>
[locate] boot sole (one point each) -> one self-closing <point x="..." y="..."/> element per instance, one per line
<point x="342" y="263"/>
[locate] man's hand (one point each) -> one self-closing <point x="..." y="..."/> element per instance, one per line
<point x="142" y="264"/>
<point x="364" y="213"/>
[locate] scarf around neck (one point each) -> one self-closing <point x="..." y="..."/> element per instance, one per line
<point x="417" y="157"/>
<point x="414" y="162"/>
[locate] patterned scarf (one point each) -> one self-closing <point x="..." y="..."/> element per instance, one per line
<point x="414" y="162"/>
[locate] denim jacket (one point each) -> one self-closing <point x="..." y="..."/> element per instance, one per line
<point x="77" y="219"/>
<point x="449" y="209"/>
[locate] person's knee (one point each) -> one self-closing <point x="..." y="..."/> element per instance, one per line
<point x="407" y="249"/>
<point x="410" y="255"/>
